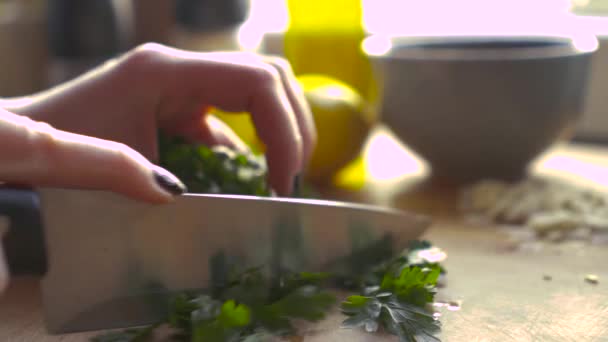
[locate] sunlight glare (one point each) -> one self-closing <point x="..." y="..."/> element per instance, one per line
<point x="269" y="16"/>
<point x="15" y="103"/>
<point x="585" y="42"/>
<point x="335" y="92"/>
<point x="388" y="160"/>
<point x="265" y="16"/>
<point x="595" y="24"/>
<point x="574" y="168"/>
<point x="377" y="45"/>
<point x="250" y="36"/>
<point x="465" y="16"/>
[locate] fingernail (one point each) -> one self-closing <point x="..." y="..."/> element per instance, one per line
<point x="296" y="186"/>
<point x="169" y="182"/>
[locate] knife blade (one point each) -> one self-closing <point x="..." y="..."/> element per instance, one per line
<point x="113" y="262"/>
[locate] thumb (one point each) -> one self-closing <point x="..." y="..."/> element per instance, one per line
<point x="36" y="154"/>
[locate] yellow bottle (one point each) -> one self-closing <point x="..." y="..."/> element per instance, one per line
<point x="324" y="37"/>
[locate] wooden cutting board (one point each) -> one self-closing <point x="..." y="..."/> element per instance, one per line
<point x="505" y="295"/>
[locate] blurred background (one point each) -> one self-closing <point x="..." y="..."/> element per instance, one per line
<point x="44" y="43"/>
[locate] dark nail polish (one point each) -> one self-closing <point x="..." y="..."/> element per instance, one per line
<point x="296" y="186"/>
<point x="174" y="187"/>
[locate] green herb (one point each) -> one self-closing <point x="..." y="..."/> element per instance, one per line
<point x="413" y="285"/>
<point x="180" y="311"/>
<point x="214" y="321"/>
<point x="253" y="304"/>
<point x="356" y="270"/>
<point x="275" y="300"/>
<point x="398" y="303"/>
<point x="202" y="318"/>
<point x="247" y="305"/>
<point x="213" y="170"/>
<point x="386" y="310"/>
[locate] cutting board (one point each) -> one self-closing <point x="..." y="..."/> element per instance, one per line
<point x="504" y="294"/>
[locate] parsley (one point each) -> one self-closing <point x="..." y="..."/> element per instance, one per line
<point x="213" y="170"/>
<point x="257" y="303"/>
<point x="252" y="304"/>
<point x="398" y="303"/>
<point x="214" y="321"/>
<point x="356" y="270"/>
<point x="384" y="309"/>
<point x="202" y="318"/>
<point x="413" y="285"/>
<point x="247" y="308"/>
<point x="275" y="300"/>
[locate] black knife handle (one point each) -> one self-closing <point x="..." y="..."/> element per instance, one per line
<point x="24" y="243"/>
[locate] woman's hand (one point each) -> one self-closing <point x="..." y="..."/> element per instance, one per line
<point x="34" y="153"/>
<point x="101" y="131"/>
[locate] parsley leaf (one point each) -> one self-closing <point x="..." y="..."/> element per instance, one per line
<point x="354" y="271"/>
<point x="387" y="311"/>
<point x="225" y="323"/>
<point x="413" y="285"/>
<point x="180" y="311"/>
<point x="306" y="302"/>
<point x="274" y="304"/>
<point x="398" y="302"/>
<point x="213" y="170"/>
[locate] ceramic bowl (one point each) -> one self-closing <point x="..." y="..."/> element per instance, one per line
<point x="481" y="106"/>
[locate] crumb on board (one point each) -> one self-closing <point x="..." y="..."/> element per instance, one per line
<point x="592" y="279"/>
<point x="553" y="211"/>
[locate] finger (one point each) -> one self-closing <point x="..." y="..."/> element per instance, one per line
<point x="50" y="157"/>
<point x="234" y="82"/>
<point x="207" y="129"/>
<point x="299" y="104"/>
<point x="213" y="131"/>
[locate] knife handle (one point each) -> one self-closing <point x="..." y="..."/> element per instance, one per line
<point x="24" y="243"/>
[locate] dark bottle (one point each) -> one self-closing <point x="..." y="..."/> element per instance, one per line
<point x="210" y="15"/>
<point x="206" y="25"/>
<point x="85" y="33"/>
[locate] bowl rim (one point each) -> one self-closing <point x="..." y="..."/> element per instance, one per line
<point x="416" y="47"/>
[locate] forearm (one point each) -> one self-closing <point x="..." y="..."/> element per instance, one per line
<point x="52" y="104"/>
<point x="21" y="105"/>
<point x="30" y="105"/>
<point x="66" y="106"/>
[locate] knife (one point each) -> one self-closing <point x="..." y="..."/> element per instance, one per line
<point x="111" y="262"/>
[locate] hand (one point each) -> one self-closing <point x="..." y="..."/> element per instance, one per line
<point x="103" y="125"/>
